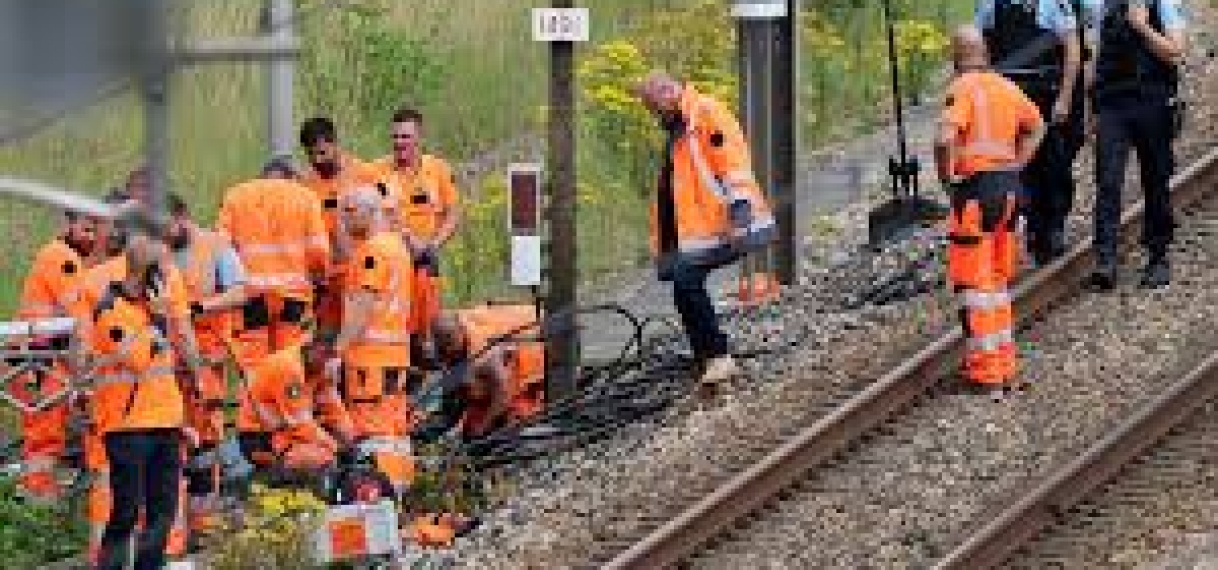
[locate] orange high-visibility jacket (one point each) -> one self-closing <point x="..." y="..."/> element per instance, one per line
<point x="47" y="292"/>
<point x="51" y="282"/>
<point x="352" y="173"/>
<point x="515" y="328"/>
<point x="425" y="193"/>
<point x="134" y="385"/>
<point x="711" y="170"/>
<point x="278" y="231"/>
<point x="282" y="400"/>
<point x="988" y="113"/>
<point x="383" y="265"/>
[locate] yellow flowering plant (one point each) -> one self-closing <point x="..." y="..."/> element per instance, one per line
<point x="276" y="532"/>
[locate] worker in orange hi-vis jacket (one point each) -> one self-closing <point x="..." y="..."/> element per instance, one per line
<point x="709" y="209"/>
<point x="430" y="209"/>
<point x="287" y="431"/>
<point x="137" y="331"/>
<point x="332" y="172"/>
<point x="504" y="357"/>
<point x="989" y="132"/>
<point x="216" y="285"/>
<point x="44" y="392"/>
<point x="110" y="264"/>
<point x="373" y="346"/>
<point x="276" y="226"/>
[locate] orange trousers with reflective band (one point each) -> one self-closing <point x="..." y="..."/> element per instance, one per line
<point x="982" y="261"/>
<point x="43" y="429"/>
<point x="425" y="306"/>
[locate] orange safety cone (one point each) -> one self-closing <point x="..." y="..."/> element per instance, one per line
<point x="432" y="530"/>
<point x="758" y="289"/>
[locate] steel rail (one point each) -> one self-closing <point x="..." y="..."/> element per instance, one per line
<point x="751" y="489"/>
<point x="1021" y="521"/>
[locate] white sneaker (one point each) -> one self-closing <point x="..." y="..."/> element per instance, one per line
<point x="720" y="369"/>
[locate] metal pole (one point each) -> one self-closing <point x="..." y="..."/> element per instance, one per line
<point x="900" y="179"/>
<point x="279" y="79"/>
<point x="785" y="137"/>
<point x="766" y="104"/>
<point x="154" y="91"/>
<point x="562" y="344"/>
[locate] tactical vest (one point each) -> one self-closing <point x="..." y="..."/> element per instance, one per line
<point x="1126" y="68"/>
<point x="1015" y="28"/>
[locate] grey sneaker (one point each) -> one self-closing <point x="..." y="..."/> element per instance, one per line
<point x="719" y="369"/>
<point x="1158" y="273"/>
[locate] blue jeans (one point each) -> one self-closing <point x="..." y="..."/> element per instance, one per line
<point x="697" y="312"/>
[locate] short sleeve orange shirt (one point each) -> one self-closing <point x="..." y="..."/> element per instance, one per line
<point x="51" y="280"/>
<point x="426" y="192"/>
<point x="353" y="173"/>
<point x="987" y="113"/>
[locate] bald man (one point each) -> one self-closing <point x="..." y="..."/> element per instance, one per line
<point x="708" y="211"/>
<point x="374" y="341"/>
<point x="988" y="133"/>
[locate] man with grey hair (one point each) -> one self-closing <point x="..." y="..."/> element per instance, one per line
<point x="709" y="209"/>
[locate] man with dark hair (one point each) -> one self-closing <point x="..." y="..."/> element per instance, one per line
<point x="46" y="294"/>
<point x="215" y="285"/>
<point x="332" y="174"/>
<point x="430" y="208"/>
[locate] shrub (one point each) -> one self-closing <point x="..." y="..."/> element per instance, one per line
<point x="276" y="533"/>
<point x="33" y="534"/>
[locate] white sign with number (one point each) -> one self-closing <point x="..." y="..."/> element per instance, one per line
<point x="560" y="24"/>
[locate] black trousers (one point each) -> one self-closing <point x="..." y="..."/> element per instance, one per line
<point x="1048" y="180"/>
<point x="697" y="311"/>
<point x="145" y="468"/>
<point x="1145" y="126"/>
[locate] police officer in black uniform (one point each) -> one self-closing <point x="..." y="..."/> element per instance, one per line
<point x="1036" y="44"/>
<point x="1134" y="93"/>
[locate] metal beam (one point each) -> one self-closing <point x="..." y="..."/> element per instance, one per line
<point x="226" y="50"/>
<point x="280" y="72"/>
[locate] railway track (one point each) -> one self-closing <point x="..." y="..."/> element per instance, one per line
<point x="912" y="381"/>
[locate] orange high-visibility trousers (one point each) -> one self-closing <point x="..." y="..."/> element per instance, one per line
<point x="981" y="263"/>
<point x="205" y="408"/>
<point x="44" y="427"/>
<point x="426" y="305"/>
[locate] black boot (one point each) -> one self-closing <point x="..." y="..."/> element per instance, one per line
<point x="1103" y="277"/>
<point x="1158" y="272"/>
<point x="1057" y="244"/>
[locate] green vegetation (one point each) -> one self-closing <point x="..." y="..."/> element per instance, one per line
<point x="34" y="535"/>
